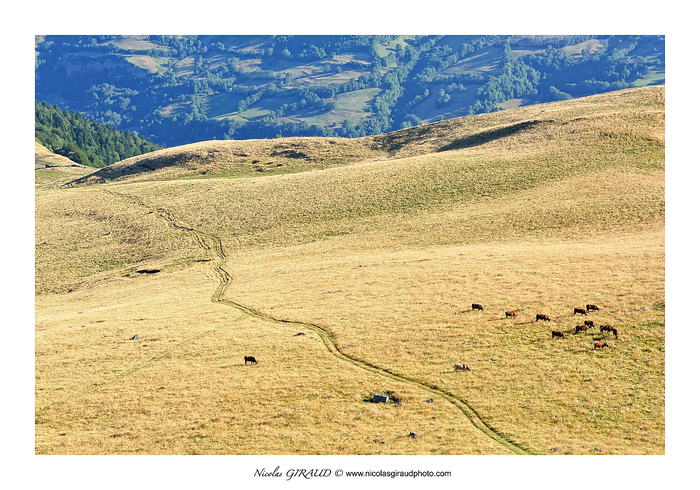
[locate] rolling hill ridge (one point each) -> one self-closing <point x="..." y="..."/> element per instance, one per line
<point x="374" y="249"/>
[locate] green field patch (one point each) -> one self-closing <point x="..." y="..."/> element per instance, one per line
<point x="384" y="49"/>
<point x="136" y="43"/>
<point x="222" y="105"/>
<point x="457" y="107"/>
<point x="512" y="104"/>
<point x="590" y="47"/>
<point x="174" y="108"/>
<point x="353" y="106"/>
<point x="519" y="53"/>
<point x="484" y="62"/>
<point x="335" y="69"/>
<point x="650" y="79"/>
<point x="328" y="77"/>
<point x="148" y="63"/>
<point x="254" y="112"/>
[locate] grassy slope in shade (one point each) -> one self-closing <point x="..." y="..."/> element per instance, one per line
<point x="383" y="242"/>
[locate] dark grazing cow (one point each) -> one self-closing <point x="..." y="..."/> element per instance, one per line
<point x="588" y="323"/>
<point x="599" y="345"/>
<point x="614" y="331"/>
<point x="592" y="308"/>
<point x="510" y="313"/>
<point x="462" y="367"/>
<point x="579" y="310"/>
<point x="250" y="359"/>
<point x="581" y="328"/>
<point x="542" y="317"/>
<point x="557" y="333"/>
<point x="476" y="307"/>
<point x="605" y="328"/>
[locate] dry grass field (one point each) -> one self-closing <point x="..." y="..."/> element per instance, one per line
<point x="348" y="268"/>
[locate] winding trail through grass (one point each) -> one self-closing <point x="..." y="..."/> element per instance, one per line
<point x="212" y="242"/>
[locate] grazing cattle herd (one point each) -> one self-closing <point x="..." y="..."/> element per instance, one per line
<point x="556" y="334"/>
<point x="587" y="326"/>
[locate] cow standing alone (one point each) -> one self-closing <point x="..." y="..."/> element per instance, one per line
<point x="249" y="359"/>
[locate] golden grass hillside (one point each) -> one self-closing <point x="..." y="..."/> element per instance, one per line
<point x="374" y="249"/>
<point x="50" y="167"/>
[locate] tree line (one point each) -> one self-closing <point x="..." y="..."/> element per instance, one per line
<point x="85" y="141"/>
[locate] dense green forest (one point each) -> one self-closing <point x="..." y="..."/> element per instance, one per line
<point x="84" y="141"/>
<point x="181" y="89"/>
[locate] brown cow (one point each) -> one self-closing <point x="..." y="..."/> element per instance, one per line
<point x="557" y="333"/>
<point x="588" y="323"/>
<point x="542" y="317"/>
<point x="614" y="331"/>
<point x="476" y="307"/>
<point x="599" y="345"/>
<point x="462" y="367"/>
<point x="579" y="310"/>
<point x="605" y="328"/>
<point x="581" y="328"/>
<point x="510" y="313"/>
<point x="250" y="359"/>
<point x="592" y="308"/>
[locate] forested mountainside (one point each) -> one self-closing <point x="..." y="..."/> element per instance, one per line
<point x="175" y="90"/>
<point x="85" y="141"/>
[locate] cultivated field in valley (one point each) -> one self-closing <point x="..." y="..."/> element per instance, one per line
<point x="374" y="249"/>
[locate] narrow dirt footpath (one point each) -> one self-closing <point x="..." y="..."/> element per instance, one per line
<point x="212" y="242"/>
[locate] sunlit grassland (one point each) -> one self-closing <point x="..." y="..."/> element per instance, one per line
<point x="50" y="167"/>
<point x="182" y="387"/>
<point x="384" y="242"/>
